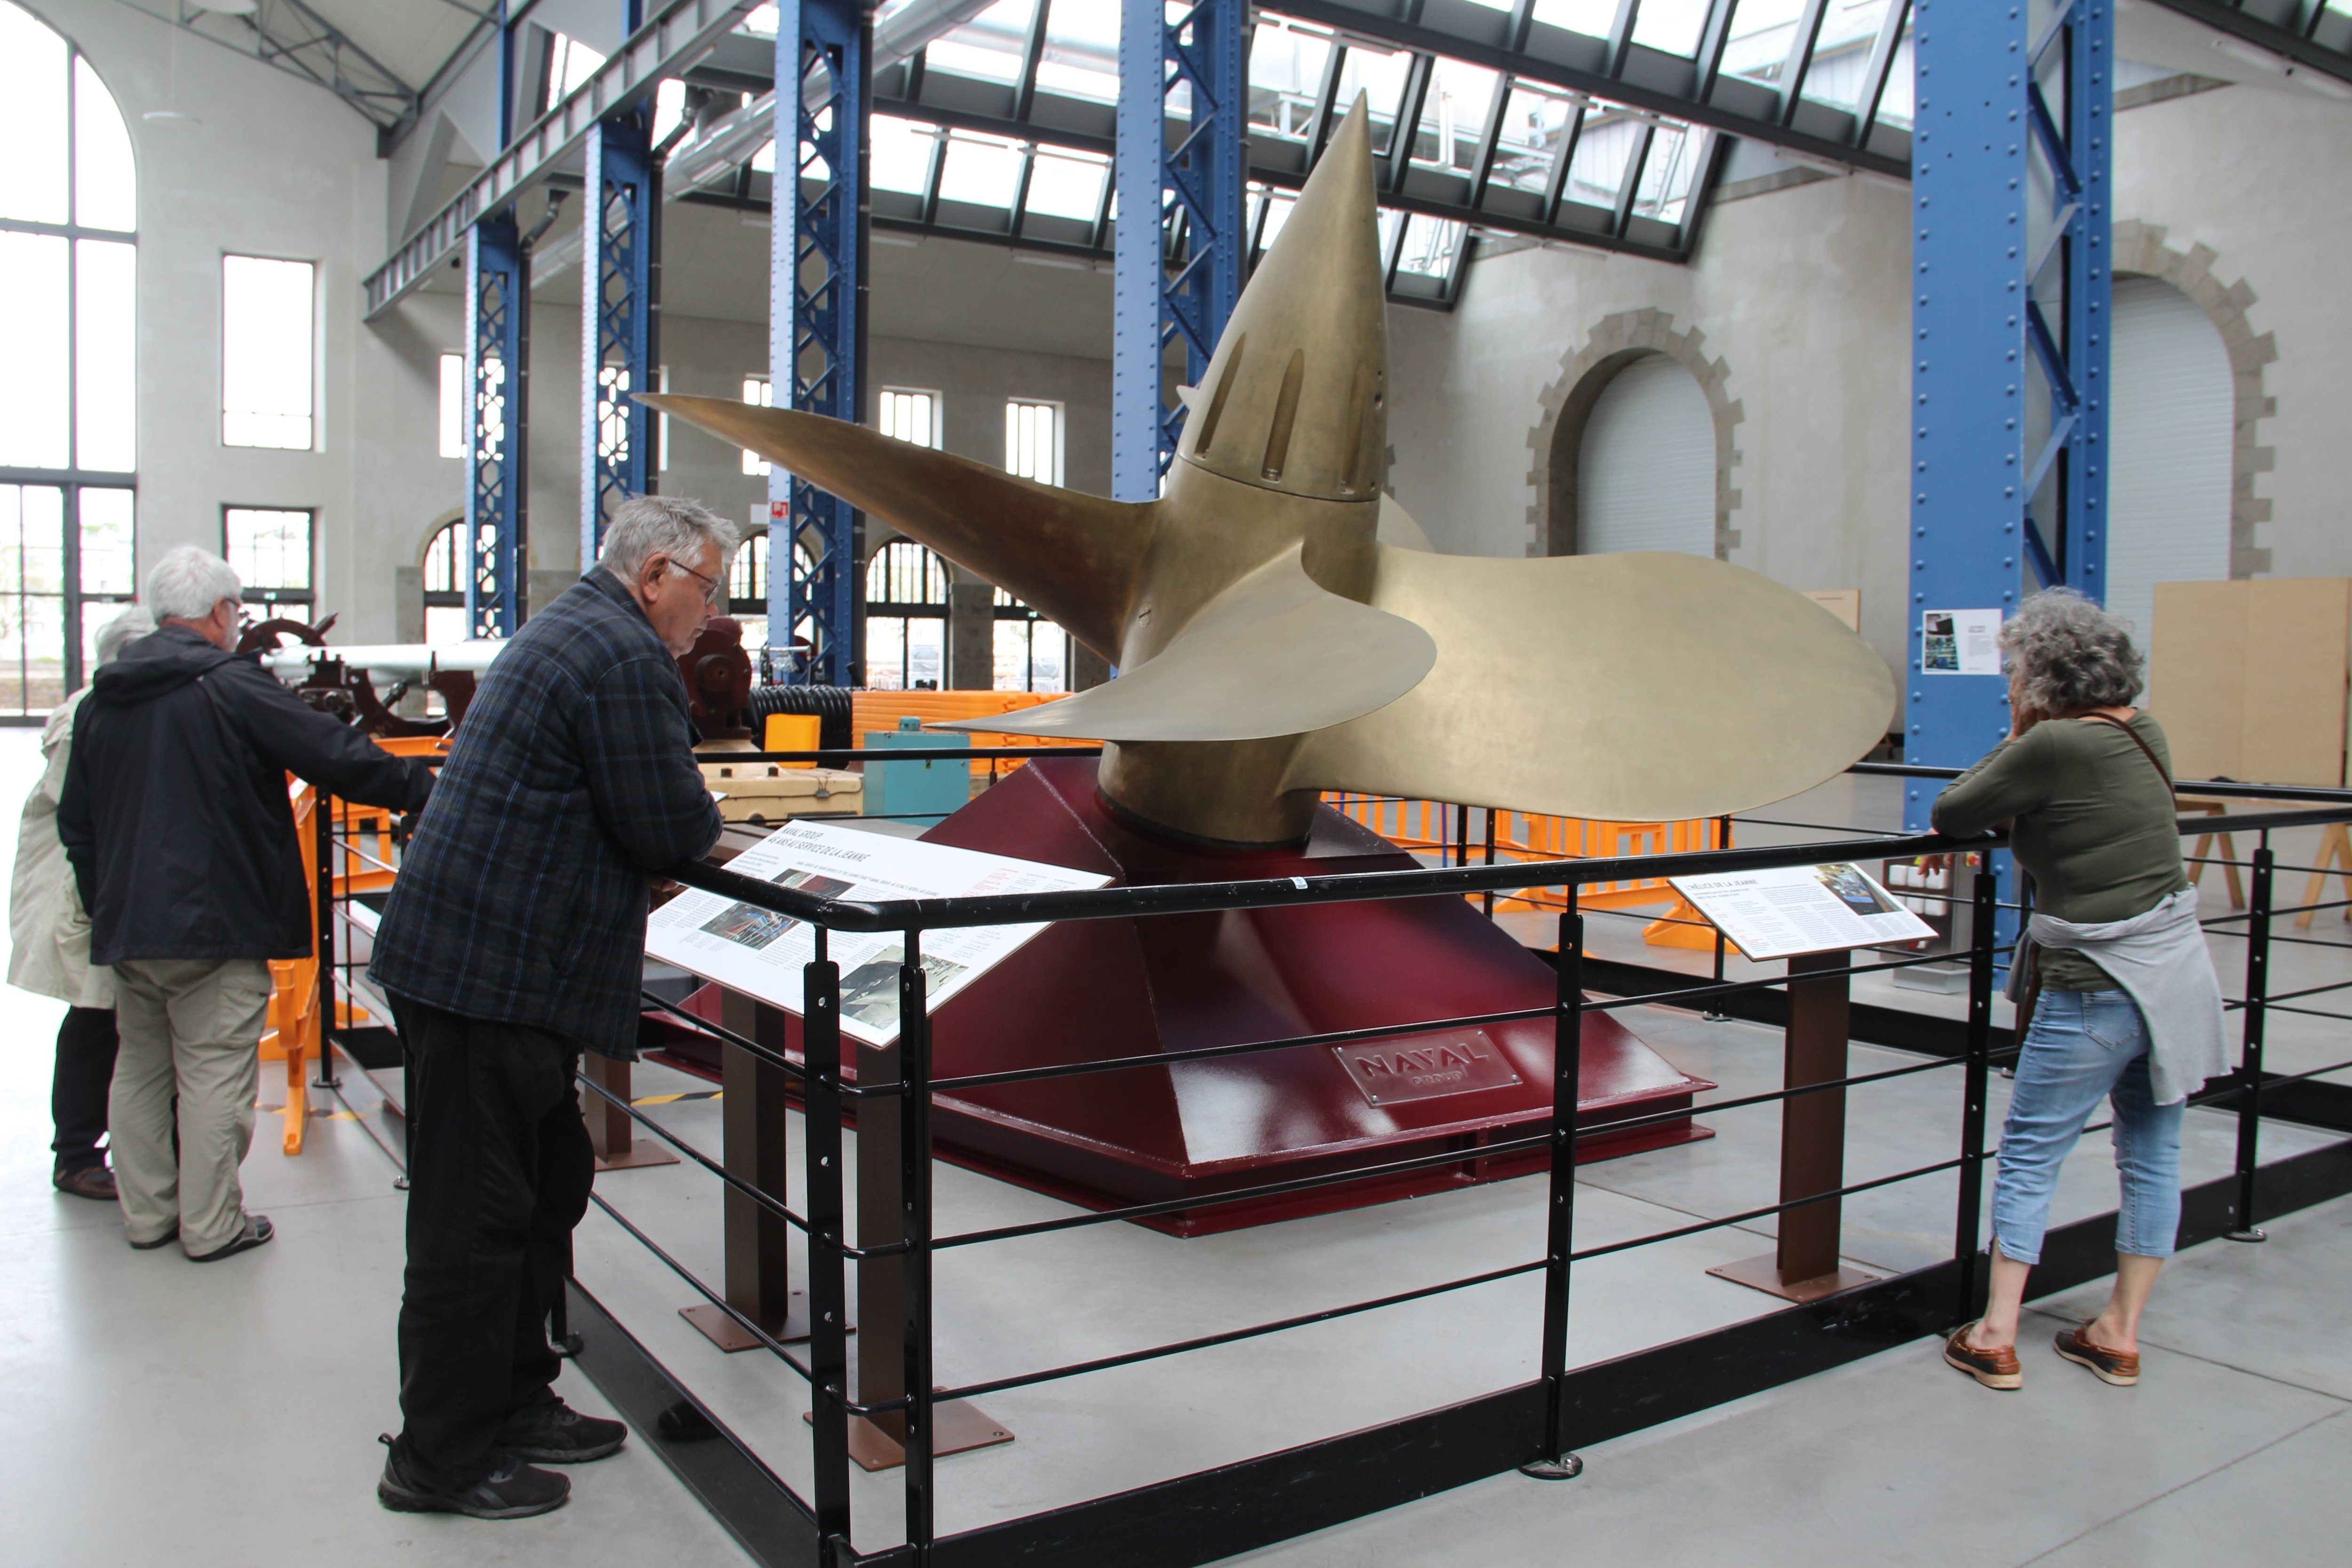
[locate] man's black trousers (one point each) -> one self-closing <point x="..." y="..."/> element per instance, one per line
<point x="499" y="1171"/>
<point x="77" y="1089"/>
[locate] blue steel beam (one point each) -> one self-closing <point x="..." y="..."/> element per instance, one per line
<point x="1180" y="239"/>
<point x="817" y="340"/>
<point x="619" y="215"/>
<point x="498" y="348"/>
<point x="2011" y="173"/>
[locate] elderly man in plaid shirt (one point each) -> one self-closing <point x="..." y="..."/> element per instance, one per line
<point x="513" y="940"/>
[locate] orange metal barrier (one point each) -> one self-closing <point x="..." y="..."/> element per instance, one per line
<point x="290" y="1032"/>
<point x="1429" y="826"/>
<point x="883" y="709"/>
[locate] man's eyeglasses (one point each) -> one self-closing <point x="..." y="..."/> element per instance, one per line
<point x="710" y="584"/>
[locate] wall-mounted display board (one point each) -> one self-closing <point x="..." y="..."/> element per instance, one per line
<point x="760" y="953"/>
<point x="2250" y="678"/>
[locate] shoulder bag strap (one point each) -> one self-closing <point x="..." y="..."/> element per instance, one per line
<point x="2145" y="750"/>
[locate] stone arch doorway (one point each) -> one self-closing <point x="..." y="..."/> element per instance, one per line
<point x="1582" y="418"/>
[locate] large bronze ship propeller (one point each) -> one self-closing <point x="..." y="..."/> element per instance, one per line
<point x="1282" y="629"/>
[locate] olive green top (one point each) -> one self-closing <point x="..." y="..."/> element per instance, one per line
<point x="2095" y="826"/>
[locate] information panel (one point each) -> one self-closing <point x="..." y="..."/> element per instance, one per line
<point x="1791" y="909"/>
<point x="760" y="953"/>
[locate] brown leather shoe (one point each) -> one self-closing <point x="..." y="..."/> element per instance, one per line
<point x="2106" y="1365"/>
<point x="1995" y="1368"/>
<point x="86" y="1182"/>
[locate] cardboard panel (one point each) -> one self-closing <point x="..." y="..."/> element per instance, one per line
<point x="2297" y="632"/>
<point x="2197" y="678"/>
<point x="1845" y="604"/>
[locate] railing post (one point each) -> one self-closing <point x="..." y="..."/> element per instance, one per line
<point x="1553" y="1462"/>
<point x="2250" y="1069"/>
<point x="1714" y="1014"/>
<point x="914" y="1190"/>
<point x="1489" y="812"/>
<point x="829" y="1287"/>
<point x="323" y="846"/>
<point x="1968" y="1222"/>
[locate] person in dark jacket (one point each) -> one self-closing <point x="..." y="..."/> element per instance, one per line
<point x="513" y="940"/>
<point x="176" y="821"/>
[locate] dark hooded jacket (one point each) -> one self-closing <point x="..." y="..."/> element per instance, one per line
<point x="176" y="815"/>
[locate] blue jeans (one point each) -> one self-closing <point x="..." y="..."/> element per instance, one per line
<point x="2085" y="1046"/>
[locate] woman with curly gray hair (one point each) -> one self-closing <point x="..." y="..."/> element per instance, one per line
<point x="2128" y="1010"/>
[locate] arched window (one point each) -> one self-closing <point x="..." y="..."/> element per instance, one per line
<point x="2172" y="406"/>
<point x="1033" y="654"/>
<point x="906" y="618"/>
<point x="1646" y="465"/>
<point x="747" y="590"/>
<point x="68" y="436"/>
<point x="444" y="587"/>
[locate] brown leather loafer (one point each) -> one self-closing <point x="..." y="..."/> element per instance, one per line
<point x="87" y="1181"/>
<point x="1995" y="1368"/>
<point x="2106" y="1365"/>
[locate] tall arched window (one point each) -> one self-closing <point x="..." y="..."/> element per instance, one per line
<point x="1033" y="654"/>
<point x="747" y="590"/>
<point x="68" y="437"/>
<point x="445" y="589"/>
<point x="906" y="618"/>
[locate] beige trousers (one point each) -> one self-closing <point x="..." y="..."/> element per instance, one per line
<point x="189" y="1026"/>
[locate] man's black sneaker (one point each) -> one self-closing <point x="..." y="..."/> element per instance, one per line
<point x="513" y="1490"/>
<point x="555" y="1434"/>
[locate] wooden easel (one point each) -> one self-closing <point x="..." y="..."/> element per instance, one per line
<point x="2336" y="850"/>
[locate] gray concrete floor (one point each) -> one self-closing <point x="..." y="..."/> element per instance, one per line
<point x="157" y="1411"/>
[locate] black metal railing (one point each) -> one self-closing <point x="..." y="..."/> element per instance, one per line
<point x="1535" y="1426"/>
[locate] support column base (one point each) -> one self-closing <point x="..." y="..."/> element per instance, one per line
<point x="1764" y="1274"/>
<point x="957" y="1427"/>
<point x="635" y="1158"/>
<point x="731" y="1336"/>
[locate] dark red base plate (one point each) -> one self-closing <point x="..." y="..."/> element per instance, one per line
<point x="1089" y="989"/>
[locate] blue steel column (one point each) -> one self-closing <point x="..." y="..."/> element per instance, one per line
<point x="817" y="309"/>
<point x="497" y="339"/>
<point x="2010" y="165"/>
<point x="616" y="324"/>
<point x="1177" y="269"/>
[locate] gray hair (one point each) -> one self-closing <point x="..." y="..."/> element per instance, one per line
<point x="648" y="526"/>
<point x="124" y="628"/>
<point x="188" y="581"/>
<point x="2074" y="655"/>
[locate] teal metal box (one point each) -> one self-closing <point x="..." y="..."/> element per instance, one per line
<point x="921" y="792"/>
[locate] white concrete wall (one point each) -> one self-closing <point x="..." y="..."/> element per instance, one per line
<point x="1800" y="293"/>
<point x="2260" y="178"/>
<point x="404" y="488"/>
<point x="268" y="166"/>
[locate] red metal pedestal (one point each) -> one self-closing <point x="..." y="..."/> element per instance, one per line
<point x="1089" y="989"/>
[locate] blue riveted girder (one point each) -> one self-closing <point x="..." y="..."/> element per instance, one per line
<point x="1177" y="271"/>
<point x="816" y="308"/>
<point x="497" y="344"/>
<point x="618" y="214"/>
<point x="2010" y="300"/>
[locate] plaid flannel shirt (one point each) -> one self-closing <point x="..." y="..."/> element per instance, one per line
<point x="522" y="897"/>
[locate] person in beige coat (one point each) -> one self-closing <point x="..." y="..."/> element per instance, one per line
<point x="50" y="955"/>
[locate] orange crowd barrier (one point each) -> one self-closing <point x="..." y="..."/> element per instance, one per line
<point x="883" y="709"/>
<point x="364" y="862"/>
<point x="1426" y="826"/>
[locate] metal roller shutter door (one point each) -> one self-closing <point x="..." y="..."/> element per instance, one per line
<point x="1646" y="472"/>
